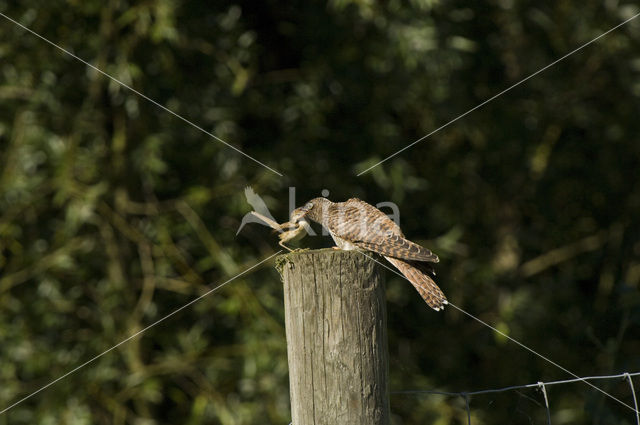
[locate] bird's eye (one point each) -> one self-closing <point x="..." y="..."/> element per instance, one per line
<point x="308" y="206"/>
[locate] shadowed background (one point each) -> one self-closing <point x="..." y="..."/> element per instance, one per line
<point x="113" y="212"/>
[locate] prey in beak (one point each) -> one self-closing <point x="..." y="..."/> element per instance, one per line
<point x="295" y="229"/>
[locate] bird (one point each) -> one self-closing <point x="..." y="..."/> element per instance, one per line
<point x="357" y="225"/>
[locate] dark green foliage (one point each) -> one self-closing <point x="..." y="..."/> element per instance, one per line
<point x="113" y="213"/>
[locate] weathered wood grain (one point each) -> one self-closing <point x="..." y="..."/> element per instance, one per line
<point x="336" y="330"/>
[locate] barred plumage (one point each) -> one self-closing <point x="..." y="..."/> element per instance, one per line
<point x="355" y="224"/>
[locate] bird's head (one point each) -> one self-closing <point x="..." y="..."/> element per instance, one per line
<point x="300" y="213"/>
<point x="297" y="226"/>
<point x="311" y="210"/>
<point x="297" y="219"/>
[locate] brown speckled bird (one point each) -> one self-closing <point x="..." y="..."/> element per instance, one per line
<point x="355" y="224"/>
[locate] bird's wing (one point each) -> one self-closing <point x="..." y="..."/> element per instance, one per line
<point x="421" y="280"/>
<point x="257" y="202"/>
<point x="250" y="193"/>
<point x="369" y="228"/>
<point x="397" y="247"/>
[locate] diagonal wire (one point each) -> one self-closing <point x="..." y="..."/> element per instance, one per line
<point x="142" y="95"/>
<point x="540" y="355"/>
<point x="137" y="333"/>
<point x="502" y="92"/>
<point x="515" y="341"/>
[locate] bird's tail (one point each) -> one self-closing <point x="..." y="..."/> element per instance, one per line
<point x="421" y="280"/>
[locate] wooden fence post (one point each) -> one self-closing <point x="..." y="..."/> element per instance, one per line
<point x="336" y="329"/>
